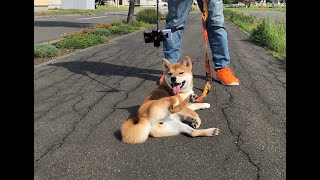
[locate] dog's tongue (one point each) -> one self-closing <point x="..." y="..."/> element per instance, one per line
<point x="176" y="89"/>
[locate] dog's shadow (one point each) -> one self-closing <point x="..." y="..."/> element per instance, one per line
<point x="117" y="134"/>
<point x="133" y="113"/>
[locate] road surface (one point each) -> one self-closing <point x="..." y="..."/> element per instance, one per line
<point x="81" y="100"/>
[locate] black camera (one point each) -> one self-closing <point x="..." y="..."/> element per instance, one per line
<point x="156" y="36"/>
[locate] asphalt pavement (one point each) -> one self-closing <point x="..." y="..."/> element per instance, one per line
<point x="81" y="100"/>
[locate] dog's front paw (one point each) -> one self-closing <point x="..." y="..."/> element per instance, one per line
<point x="193" y="98"/>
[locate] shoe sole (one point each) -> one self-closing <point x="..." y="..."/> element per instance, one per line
<point x="231" y="84"/>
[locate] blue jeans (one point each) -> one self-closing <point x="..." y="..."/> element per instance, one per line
<point x="178" y="11"/>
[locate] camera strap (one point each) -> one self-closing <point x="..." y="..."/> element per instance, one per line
<point x="207" y="86"/>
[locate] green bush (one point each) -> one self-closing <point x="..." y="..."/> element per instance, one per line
<point x="148" y="15"/>
<point x="101" y="31"/>
<point x="81" y="41"/>
<point x="46" y="50"/>
<point x="138" y="25"/>
<point x="264" y="32"/>
<point x="246" y="22"/>
<point x="119" y="30"/>
<point x="125" y="26"/>
<point x="117" y="23"/>
<point x="272" y="35"/>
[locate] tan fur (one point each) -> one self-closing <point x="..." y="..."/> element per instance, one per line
<point x="161" y="111"/>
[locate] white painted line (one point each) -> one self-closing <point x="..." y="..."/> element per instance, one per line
<point x="91" y="18"/>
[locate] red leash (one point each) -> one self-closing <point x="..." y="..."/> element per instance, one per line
<point x="207" y="86"/>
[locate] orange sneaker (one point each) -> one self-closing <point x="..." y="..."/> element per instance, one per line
<point x="226" y="77"/>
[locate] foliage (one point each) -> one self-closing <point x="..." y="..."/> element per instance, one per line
<point x="101" y="32"/>
<point x="148" y="15"/>
<point x="81" y="41"/>
<point x="272" y="35"/>
<point x="46" y="50"/>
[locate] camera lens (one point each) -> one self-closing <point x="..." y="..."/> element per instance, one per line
<point x="148" y="38"/>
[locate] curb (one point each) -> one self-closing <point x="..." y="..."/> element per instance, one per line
<point x="50" y="42"/>
<point x="239" y="28"/>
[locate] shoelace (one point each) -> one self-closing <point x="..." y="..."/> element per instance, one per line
<point x="227" y="72"/>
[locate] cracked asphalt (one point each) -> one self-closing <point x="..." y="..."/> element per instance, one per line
<point x="81" y="100"/>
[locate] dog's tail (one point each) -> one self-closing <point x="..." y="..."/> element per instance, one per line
<point x="135" y="133"/>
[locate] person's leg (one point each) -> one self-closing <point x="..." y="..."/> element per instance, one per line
<point x="178" y="11"/>
<point x="217" y="36"/>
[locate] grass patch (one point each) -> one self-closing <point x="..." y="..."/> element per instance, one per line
<point x="115" y="8"/>
<point x="119" y="30"/>
<point x="101" y="31"/>
<point x="272" y="35"/>
<point x="121" y="27"/>
<point x="45" y="51"/>
<point x="81" y="41"/>
<point x="264" y="32"/>
<point x="245" y="22"/>
<point x="139" y="25"/>
<point x="148" y="15"/>
<point x="281" y="9"/>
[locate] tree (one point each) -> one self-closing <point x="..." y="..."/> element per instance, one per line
<point x="131" y="10"/>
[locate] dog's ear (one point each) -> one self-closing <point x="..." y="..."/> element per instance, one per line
<point x="165" y="64"/>
<point x="186" y="61"/>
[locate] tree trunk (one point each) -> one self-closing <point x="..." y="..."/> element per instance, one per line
<point x="131" y="11"/>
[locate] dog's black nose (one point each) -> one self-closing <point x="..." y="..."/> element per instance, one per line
<point x="173" y="79"/>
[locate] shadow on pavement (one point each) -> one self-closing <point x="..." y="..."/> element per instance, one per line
<point x="132" y="110"/>
<point x="62" y="24"/>
<point x="107" y="69"/>
<point x="117" y="134"/>
<point x="133" y="113"/>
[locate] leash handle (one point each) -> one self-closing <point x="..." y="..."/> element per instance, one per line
<point x="207" y="86"/>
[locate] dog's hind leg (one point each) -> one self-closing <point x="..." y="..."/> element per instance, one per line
<point x="186" y="112"/>
<point x="174" y="127"/>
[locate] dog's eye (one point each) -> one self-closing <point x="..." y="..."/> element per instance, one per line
<point x="181" y="72"/>
<point x="169" y="74"/>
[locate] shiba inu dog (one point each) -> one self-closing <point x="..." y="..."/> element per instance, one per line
<point x="163" y="109"/>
